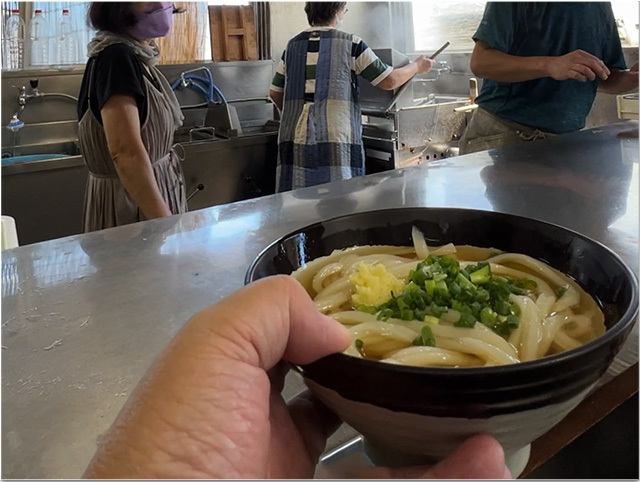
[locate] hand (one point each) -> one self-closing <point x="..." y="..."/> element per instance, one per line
<point x="578" y="65"/>
<point x="424" y="64"/>
<point x="211" y="407"/>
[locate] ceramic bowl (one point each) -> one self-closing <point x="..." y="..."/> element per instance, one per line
<point x="418" y="415"/>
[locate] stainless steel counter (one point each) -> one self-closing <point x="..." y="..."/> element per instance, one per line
<point x="83" y="317"/>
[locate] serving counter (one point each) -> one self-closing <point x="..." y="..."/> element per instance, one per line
<point x="83" y="317"/>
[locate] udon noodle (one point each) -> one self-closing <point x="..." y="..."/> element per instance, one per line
<point x="544" y="312"/>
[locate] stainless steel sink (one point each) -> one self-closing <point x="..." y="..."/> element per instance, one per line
<point x="55" y="149"/>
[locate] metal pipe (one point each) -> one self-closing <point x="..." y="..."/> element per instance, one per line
<point x="25" y="97"/>
<point x="373" y="112"/>
<point x="55" y="94"/>
<point x="250" y="99"/>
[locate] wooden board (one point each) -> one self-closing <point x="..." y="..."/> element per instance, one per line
<point x="233" y="33"/>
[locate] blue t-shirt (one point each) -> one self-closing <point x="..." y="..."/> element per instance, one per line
<point x="530" y="29"/>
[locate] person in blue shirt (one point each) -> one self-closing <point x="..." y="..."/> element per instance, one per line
<point x="542" y="64"/>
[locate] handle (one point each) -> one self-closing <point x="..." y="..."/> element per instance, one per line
<point x="473" y="89"/>
<point x="466" y="108"/>
<point x="439" y="51"/>
<point x="256" y="189"/>
<point x="198" y="188"/>
<point x="209" y="130"/>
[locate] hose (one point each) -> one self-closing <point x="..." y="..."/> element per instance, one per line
<point x="213" y="88"/>
<point x="207" y="94"/>
<point x="208" y="80"/>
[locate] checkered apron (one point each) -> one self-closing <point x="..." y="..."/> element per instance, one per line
<point x="320" y="138"/>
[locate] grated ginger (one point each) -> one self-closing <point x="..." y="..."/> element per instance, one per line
<point x="374" y="285"/>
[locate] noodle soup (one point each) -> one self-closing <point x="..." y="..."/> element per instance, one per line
<point x="450" y="306"/>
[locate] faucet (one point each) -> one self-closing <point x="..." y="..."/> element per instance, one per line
<point x="23" y="98"/>
<point x="208" y="89"/>
<point x="15" y="124"/>
<point x="441" y="67"/>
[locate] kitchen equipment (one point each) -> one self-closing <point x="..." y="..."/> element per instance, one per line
<point x="416" y="130"/>
<point x="627" y="106"/>
<point x="412" y="415"/>
<point x="224" y="119"/>
<point x="9" y="233"/>
<point x="473" y="90"/>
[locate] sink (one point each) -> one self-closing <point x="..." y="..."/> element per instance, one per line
<point x="39" y="152"/>
<point x="7" y="161"/>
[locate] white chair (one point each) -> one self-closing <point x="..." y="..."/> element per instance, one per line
<point x="9" y="233"/>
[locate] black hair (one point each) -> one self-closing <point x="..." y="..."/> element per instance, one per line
<point x="116" y="17"/>
<point x="322" y="13"/>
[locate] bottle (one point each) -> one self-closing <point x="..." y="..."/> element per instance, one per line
<point x="13" y="58"/>
<point x="66" y="45"/>
<point x="38" y="40"/>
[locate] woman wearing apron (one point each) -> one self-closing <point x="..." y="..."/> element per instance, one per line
<point x="128" y="114"/>
<point x="316" y="90"/>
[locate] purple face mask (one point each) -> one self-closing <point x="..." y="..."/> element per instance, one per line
<point x="155" y="21"/>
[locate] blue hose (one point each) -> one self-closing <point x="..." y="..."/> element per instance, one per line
<point x="222" y="97"/>
<point x="213" y="88"/>
<point x="208" y="80"/>
<point x="207" y="94"/>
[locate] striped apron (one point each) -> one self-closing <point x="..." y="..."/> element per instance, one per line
<point x="106" y="202"/>
<point x="320" y="138"/>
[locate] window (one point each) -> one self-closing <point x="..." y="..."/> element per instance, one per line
<point x="52" y="12"/>
<point x="626" y="14"/>
<point x="446" y="21"/>
<point x="190" y="43"/>
<point x="456" y="21"/>
<point x="189" y="37"/>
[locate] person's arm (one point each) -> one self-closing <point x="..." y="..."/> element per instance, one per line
<point x="277" y="97"/>
<point x="401" y="75"/>
<point x="493" y="64"/>
<point x="276" y="91"/>
<point x="620" y="81"/>
<point x="121" y="123"/>
<point x="368" y="65"/>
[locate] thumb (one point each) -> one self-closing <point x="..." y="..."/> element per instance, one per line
<point x="271" y="319"/>
<point x="480" y="457"/>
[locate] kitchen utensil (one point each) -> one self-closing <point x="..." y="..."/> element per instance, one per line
<point x="473" y="94"/>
